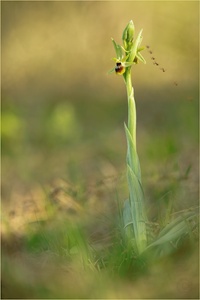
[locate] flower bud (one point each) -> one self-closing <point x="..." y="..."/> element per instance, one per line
<point x="128" y="35"/>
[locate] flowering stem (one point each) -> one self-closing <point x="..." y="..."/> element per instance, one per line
<point x="134" y="206"/>
<point x="134" y="215"/>
<point x="131" y="104"/>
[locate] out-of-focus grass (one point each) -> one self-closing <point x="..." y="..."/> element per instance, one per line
<point x="55" y="262"/>
<point x="64" y="148"/>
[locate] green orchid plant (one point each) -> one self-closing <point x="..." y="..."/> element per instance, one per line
<point x="134" y="212"/>
<point x="134" y="215"/>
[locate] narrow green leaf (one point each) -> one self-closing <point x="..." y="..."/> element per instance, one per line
<point x="138" y="217"/>
<point x="174" y="231"/>
<point x="128" y="224"/>
<point x="176" y="222"/>
<point x="132" y="156"/>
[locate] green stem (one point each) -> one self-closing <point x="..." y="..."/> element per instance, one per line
<point x="132" y="158"/>
<point x="137" y="215"/>
<point x="131" y="106"/>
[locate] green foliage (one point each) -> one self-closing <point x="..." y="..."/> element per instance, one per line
<point x="12" y="129"/>
<point x="169" y="237"/>
<point x="62" y="124"/>
<point x="61" y="238"/>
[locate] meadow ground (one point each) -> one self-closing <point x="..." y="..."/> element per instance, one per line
<point x="64" y="148"/>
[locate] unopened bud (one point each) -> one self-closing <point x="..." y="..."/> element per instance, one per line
<point x="128" y="35"/>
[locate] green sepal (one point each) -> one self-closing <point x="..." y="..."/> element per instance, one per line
<point x="118" y="50"/>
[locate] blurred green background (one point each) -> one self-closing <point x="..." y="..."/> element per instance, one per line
<point x="63" y="115"/>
